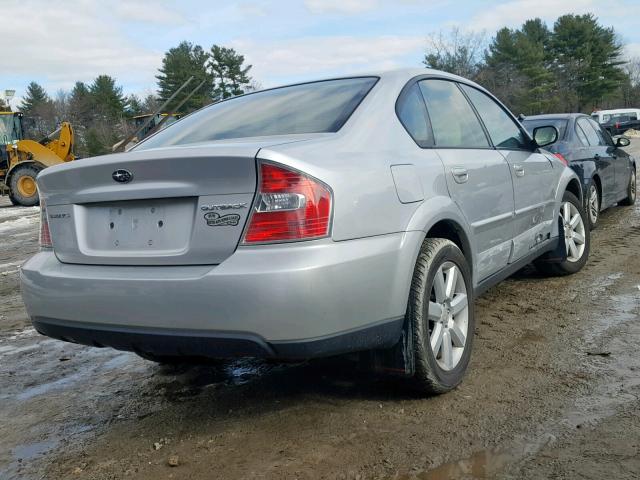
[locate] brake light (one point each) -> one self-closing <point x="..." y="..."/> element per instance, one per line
<point x="562" y="159"/>
<point x="289" y="206"/>
<point x="45" y="234"/>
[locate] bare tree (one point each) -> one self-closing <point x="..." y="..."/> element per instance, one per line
<point x="456" y="52"/>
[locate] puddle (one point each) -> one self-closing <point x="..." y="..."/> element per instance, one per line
<point x="485" y="464"/>
<point x="29" y="451"/>
<point x="481" y="465"/>
<point x="22" y="455"/>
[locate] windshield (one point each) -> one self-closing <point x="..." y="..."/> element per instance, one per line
<point x="559" y="123"/>
<point x="317" y="107"/>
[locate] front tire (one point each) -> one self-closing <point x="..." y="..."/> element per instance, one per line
<point x="593" y="205"/>
<point x="577" y="237"/>
<point x="23" y="186"/>
<point x="631" y="190"/>
<point x="441" y="316"/>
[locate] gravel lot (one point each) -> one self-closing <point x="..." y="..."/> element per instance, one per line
<point x="552" y="392"/>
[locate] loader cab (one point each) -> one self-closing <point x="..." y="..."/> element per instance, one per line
<point x="11" y="129"/>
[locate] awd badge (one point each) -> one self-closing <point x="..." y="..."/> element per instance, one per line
<point x="214" y="219"/>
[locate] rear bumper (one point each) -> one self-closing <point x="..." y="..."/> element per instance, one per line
<point x="191" y="343"/>
<point x="288" y="301"/>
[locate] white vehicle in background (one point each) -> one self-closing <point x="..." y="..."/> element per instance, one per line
<point x="606" y="116"/>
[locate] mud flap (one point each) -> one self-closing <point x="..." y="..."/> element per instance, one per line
<point x="397" y="360"/>
<point x="559" y="253"/>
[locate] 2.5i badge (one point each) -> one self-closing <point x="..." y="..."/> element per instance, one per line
<point x="214" y="219"/>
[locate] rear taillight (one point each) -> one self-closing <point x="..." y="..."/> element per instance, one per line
<point x="45" y="234"/>
<point x="289" y="206"/>
<point x="561" y="158"/>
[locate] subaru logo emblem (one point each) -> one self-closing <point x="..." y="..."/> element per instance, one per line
<point x="122" y="176"/>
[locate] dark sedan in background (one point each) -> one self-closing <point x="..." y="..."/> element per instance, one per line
<point x="607" y="172"/>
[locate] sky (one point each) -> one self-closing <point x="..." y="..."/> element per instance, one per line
<point x="57" y="43"/>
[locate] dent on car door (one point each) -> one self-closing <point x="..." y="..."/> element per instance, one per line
<point x="477" y="176"/>
<point x="534" y="178"/>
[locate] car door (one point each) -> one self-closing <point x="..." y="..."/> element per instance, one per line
<point x="620" y="162"/>
<point x="477" y="175"/>
<point x="534" y="177"/>
<point x="603" y="158"/>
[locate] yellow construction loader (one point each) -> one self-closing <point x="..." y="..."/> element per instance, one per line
<point x="21" y="159"/>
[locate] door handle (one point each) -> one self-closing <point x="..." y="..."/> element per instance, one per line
<point x="460" y="174"/>
<point x="519" y="169"/>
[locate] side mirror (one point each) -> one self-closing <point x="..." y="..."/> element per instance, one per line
<point x="623" y="142"/>
<point x="544" y="136"/>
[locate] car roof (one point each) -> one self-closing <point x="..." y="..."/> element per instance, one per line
<point x="402" y="75"/>
<point x="555" y="116"/>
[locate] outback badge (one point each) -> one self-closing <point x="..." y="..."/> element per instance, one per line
<point x="214" y="219"/>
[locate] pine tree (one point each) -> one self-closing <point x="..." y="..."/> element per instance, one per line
<point x="106" y="98"/>
<point x="230" y="75"/>
<point x="533" y="63"/>
<point x="80" y="104"/>
<point x="35" y="97"/>
<point x="134" y="106"/>
<point x="587" y="59"/>
<point x="178" y="64"/>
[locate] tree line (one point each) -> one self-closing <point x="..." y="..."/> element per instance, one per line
<point x="101" y="113"/>
<point x="575" y="66"/>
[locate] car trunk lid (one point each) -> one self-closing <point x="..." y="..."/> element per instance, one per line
<point x="180" y="206"/>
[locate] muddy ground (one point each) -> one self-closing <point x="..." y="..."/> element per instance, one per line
<point x="552" y="392"/>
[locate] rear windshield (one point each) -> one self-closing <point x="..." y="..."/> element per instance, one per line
<point x="559" y="123"/>
<point x="317" y="107"/>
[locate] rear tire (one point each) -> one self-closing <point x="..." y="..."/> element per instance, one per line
<point x="577" y="237"/>
<point x="441" y="317"/>
<point x="23" y="186"/>
<point x="631" y="190"/>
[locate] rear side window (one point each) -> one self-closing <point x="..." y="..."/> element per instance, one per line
<point x="592" y="136"/>
<point x="454" y="122"/>
<point x="581" y="135"/>
<point x="413" y="115"/>
<point x="604" y="138"/>
<point x="504" y="132"/>
<point x="317" y="107"/>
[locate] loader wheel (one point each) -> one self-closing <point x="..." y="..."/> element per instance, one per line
<point x="24" y="190"/>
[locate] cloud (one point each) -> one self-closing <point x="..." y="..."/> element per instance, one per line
<point x="313" y="56"/>
<point x="62" y="47"/>
<point x="516" y="12"/>
<point x="145" y="12"/>
<point x="349" y="7"/>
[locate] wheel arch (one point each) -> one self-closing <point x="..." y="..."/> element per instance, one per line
<point x="596" y="179"/>
<point x="451" y="230"/>
<point x="573" y="186"/>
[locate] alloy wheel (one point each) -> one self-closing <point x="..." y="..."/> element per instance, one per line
<point x="594" y="204"/>
<point x="448" y="316"/>
<point x="574" y="231"/>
